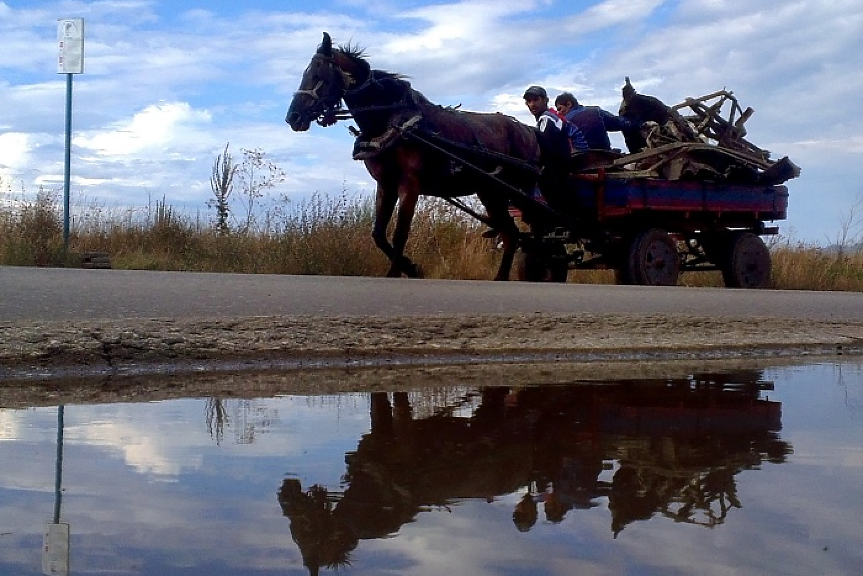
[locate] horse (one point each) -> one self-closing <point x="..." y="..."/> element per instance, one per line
<point x="412" y="147"/>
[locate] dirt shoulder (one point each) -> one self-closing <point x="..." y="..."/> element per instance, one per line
<point x="134" y="345"/>
<point x="39" y="354"/>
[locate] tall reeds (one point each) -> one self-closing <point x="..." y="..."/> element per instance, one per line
<point x="329" y="235"/>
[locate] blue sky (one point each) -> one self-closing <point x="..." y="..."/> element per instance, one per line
<point x="167" y="84"/>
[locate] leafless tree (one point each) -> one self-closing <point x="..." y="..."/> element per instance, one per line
<point x="850" y="229"/>
<point x="257" y="174"/>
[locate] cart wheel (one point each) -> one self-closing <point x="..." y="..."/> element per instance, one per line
<point x="747" y="262"/>
<point x="533" y="267"/>
<point x="653" y="260"/>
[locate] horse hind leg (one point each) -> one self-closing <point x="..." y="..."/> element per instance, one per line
<point x="502" y="221"/>
<point x="509" y="239"/>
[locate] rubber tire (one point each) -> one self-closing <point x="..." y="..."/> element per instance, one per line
<point x="747" y="262"/>
<point x="652" y="260"/>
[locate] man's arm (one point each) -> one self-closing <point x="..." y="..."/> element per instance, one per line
<point x="615" y="123"/>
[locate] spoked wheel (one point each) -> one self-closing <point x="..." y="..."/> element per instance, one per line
<point x="651" y="260"/>
<point x="747" y="262"/>
<point x="534" y="266"/>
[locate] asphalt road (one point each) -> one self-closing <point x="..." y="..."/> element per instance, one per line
<point x="53" y="294"/>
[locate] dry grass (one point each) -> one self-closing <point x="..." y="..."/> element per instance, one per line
<point x="332" y="235"/>
<point x="801" y="267"/>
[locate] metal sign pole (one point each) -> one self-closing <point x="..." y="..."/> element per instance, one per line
<point x="70" y="38"/>
<point x="67" y="166"/>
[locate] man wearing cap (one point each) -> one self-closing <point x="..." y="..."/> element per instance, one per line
<point x="555" y="136"/>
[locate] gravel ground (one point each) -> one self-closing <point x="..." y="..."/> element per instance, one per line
<point x="151" y="359"/>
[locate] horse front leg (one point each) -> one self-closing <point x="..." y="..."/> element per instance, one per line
<point x="385" y="204"/>
<point x="404" y="218"/>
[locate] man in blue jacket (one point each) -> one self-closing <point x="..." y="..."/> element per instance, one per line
<point x="593" y="122"/>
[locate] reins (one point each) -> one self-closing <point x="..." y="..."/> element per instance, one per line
<point x="428" y="140"/>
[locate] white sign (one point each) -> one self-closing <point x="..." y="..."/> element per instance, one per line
<point x="70" y="36"/>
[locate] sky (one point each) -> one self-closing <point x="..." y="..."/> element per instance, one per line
<point x="168" y="84"/>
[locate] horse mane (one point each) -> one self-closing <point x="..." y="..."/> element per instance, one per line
<point x="353" y="51"/>
<point x="470" y="128"/>
<point x="358" y="55"/>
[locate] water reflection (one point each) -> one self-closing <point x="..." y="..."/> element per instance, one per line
<point x="632" y="476"/>
<point x="669" y="448"/>
<point x="55" y="548"/>
<point x="246" y="418"/>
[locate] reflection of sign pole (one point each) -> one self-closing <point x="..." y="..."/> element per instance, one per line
<point x="58" y="468"/>
<point x="70" y="37"/>
<point x="55" y="547"/>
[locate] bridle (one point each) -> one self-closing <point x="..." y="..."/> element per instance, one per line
<point x="313" y="92"/>
<point x="329" y="113"/>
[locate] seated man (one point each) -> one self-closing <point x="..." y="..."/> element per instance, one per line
<point x="555" y="136"/>
<point x="594" y="122"/>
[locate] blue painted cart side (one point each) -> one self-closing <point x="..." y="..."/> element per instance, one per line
<point x="610" y="198"/>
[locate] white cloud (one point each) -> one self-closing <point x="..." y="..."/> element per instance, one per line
<point x="157" y="127"/>
<point x="452" y="34"/>
<point x="609" y="14"/>
<point x="144" y="452"/>
<point x="14" y="150"/>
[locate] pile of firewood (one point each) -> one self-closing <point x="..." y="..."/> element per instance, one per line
<point x="699" y="139"/>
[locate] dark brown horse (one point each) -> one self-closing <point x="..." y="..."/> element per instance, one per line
<point x="412" y="147"/>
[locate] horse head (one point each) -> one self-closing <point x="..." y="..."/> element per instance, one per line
<point x="332" y="73"/>
<point x="321" y="88"/>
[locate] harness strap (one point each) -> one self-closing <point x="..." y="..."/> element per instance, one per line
<point x="366" y="149"/>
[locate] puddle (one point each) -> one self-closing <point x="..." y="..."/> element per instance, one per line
<point x="754" y="470"/>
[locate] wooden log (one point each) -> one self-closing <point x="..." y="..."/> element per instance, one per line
<point x="95" y="260"/>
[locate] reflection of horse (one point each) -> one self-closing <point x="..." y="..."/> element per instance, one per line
<point x="412" y="147"/>
<point x="676" y="447"/>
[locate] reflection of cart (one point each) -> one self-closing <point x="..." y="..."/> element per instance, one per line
<point x="675" y="447"/>
<point x="699" y="196"/>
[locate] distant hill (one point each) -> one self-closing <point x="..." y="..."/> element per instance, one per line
<point x="856" y="248"/>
